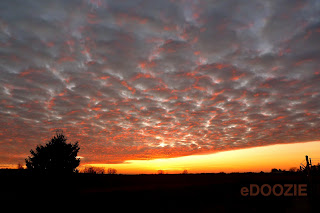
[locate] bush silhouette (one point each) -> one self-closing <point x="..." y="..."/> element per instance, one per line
<point x="56" y="157"/>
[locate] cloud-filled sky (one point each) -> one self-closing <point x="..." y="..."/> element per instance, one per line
<point x="156" y="79"/>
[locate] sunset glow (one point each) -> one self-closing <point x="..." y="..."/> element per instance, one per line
<point x="284" y="156"/>
<point x="206" y="86"/>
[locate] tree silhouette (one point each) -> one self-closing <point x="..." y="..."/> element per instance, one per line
<point x="112" y="171"/>
<point x="56" y="157"/>
<point x="185" y="172"/>
<point x="93" y="170"/>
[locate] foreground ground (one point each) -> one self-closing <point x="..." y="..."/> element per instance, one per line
<point x="162" y="193"/>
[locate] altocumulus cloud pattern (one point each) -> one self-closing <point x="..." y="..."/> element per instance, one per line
<point x="153" y="79"/>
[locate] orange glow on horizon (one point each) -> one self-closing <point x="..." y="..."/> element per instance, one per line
<point x="280" y="156"/>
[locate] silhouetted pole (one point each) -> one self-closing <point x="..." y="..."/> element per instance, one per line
<point x="308" y="166"/>
<point x="309" y="178"/>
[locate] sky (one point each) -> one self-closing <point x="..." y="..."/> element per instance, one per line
<point x="256" y="159"/>
<point x="142" y="80"/>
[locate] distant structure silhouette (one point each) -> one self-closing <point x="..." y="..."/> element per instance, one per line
<point x="56" y="157"/>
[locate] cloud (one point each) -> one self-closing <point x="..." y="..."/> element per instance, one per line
<point x="153" y="79"/>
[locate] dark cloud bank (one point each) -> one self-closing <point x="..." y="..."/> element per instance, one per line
<point x="150" y="79"/>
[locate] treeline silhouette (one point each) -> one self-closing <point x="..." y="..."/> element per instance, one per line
<point x="186" y="192"/>
<point x="59" y="157"/>
<point x="99" y="170"/>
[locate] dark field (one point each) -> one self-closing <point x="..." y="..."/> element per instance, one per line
<point x="161" y="193"/>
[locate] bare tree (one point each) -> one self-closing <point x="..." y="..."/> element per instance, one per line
<point x="94" y="170"/>
<point x="293" y="169"/>
<point x="19" y="166"/>
<point x="89" y="170"/>
<point x="160" y="172"/>
<point x="112" y="171"/>
<point x="185" y="172"/>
